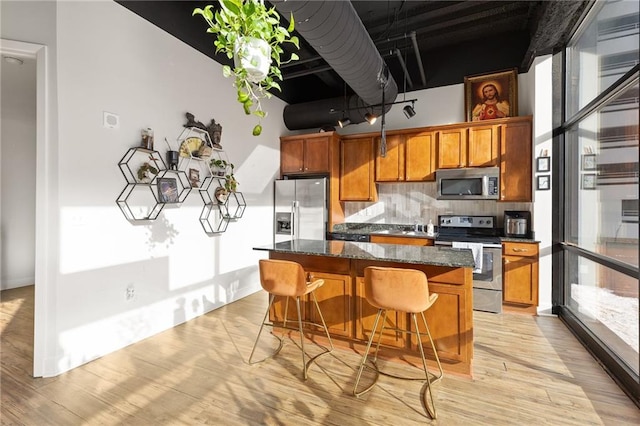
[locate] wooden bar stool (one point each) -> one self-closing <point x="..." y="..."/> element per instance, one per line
<point x="288" y="279"/>
<point x="402" y="290"/>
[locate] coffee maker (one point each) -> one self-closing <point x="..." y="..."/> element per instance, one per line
<point x="517" y="223"/>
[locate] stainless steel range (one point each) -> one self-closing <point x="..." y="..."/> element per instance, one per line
<point x="478" y="233"/>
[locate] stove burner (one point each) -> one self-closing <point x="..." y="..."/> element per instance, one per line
<point x="480" y="229"/>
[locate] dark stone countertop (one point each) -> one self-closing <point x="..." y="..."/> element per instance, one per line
<point x="424" y="255"/>
<point x="403" y="231"/>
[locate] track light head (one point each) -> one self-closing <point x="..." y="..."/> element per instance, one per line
<point x="370" y="118"/>
<point x="409" y="111"/>
<point x="344" y="122"/>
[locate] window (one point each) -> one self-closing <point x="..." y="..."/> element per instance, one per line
<point x="598" y="291"/>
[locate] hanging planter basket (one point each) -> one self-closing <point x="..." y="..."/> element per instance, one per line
<point x="254" y="55"/>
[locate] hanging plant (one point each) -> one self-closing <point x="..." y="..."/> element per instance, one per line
<point x="250" y="33"/>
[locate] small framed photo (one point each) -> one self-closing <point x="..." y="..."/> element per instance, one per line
<point x="491" y="96"/>
<point x="543" y="164"/>
<point x="194" y="178"/>
<point x="544" y="183"/>
<point x="167" y="190"/>
<point x="589" y="162"/>
<point x="589" y="181"/>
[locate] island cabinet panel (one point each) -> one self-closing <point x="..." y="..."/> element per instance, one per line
<point x="452" y="148"/>
<point x="420" y="157"/>
<point x="452" y="337"/>
<point x="483" y="146"/>
<point x="335" y="301"/>
<point x="390" y="168"/>
<point x="516" y="160"/>
<point x="357" y="170"/>
<point x="304" y="155"/>
<point x="366" y="317"/>
<point x="411" y="241"/>
<point x="350" y="317"/>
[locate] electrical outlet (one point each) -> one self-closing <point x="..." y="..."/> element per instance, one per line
<point x="130" y="292"/>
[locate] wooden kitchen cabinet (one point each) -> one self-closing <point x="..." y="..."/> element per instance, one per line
<point x="357" y="169"/>
<point x="390" y="168"/>
<point x="335" y="300"/>
<point x="410" y="158"/>
<point x="366" y="316"/>
<point x="520" y="273"/>
<point x="516" y="160"/>
<point x="483" y="146"/>
<point x="307" y="154"/>
<point x="452" y="147"/>
<point x="408" y="241"/>
<point x="420" y="157"/>
<point x="468" y="146"/>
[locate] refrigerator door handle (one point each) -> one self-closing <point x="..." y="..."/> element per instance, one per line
<point x="294" y="219"/>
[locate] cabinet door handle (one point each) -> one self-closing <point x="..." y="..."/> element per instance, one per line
<point x="506" y="261"/>
<point x="520" y="250"/>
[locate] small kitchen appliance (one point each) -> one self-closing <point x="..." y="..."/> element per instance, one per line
<point x="517" y="224"/>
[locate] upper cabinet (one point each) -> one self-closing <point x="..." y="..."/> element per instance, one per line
<point x="452" y="148"/>
<point x="420" y="157"/>
<point x="410" y="158"/>
<point x="468" y="146"/>
<point x="484" y="142"/>
<point x="308" y="154"/>
<point x="516" y="160"/>
<point x="357" y="169"/>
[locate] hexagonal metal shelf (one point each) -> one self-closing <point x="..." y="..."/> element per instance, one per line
<point x="136" y="157"/>
<point x="212" y="219"/>
<point x="235" y="205"/>
<point x="139" y="201"/>
<point x="182" y="183"/>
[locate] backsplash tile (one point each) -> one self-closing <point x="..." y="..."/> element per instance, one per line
<point x="408" y="203"/>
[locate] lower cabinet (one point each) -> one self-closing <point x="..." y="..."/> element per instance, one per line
<point x="408" y="241"/>
<point x="366" y="317"/>
<point x="334" y="299"/>
<point x="520" y="273"/>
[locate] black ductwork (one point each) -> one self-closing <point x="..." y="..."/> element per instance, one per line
<point x="335" y="31"/>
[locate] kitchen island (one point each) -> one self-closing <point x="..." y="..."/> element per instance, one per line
<point x="350" y="318"/>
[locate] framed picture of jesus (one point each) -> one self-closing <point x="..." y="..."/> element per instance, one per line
<point x="491" y="96"/>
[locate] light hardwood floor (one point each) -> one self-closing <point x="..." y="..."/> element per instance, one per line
<point x="528" y="371"/>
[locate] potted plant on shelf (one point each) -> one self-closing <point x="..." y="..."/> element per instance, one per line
<point x="250" y="33"/>
<point x="146" y="172"/>
<point x="230" y="182"/>
<point x="218" y="167"/>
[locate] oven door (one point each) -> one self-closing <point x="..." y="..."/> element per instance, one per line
<point x="487" y="283"/>
<point x="490" y="277"/>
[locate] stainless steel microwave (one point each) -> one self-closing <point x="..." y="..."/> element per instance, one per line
<point x="468" y="184"/>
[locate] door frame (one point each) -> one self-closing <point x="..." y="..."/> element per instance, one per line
<point x="42" y="225"/>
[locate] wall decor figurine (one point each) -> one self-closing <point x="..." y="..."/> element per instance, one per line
<point x="191" y="122"/>
<point x="215" y="133"/>
<point x="491" y="96"/>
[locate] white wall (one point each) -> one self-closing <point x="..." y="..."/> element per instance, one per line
<point x="541" y="83"/>
<point x="122" y="64"/>
<point x="17" y="173"/>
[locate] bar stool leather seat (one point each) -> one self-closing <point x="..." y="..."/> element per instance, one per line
<point x="288" y="279"/>
<point x="402" y="290"/>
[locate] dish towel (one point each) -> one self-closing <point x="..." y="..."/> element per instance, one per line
<point x="476" y="250"/>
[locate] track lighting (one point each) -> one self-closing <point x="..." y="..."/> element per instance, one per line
<point x="370" y="118"/>
<point x="344" y="122"/>
<point x="409" y="111"/>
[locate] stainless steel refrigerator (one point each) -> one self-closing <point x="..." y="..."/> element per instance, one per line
<point x="300" y="209"/>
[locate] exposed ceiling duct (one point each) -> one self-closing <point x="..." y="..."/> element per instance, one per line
<point x="335" y="31"/>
